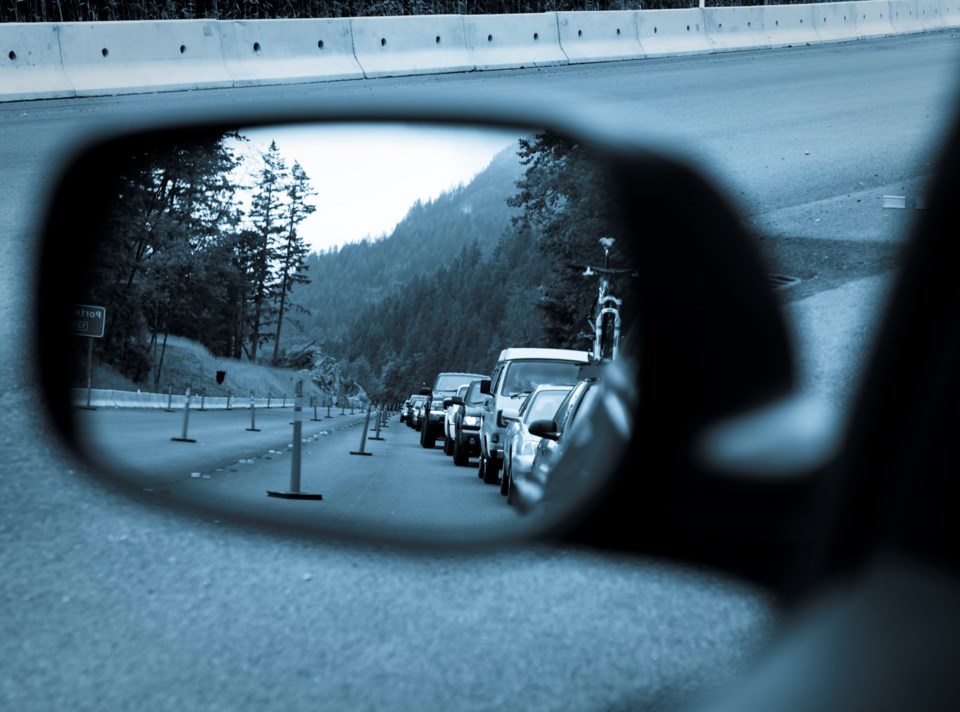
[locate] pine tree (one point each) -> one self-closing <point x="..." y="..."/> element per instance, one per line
<point x="173" y="203"/>
<point x="292" y="249"/>
<point x="267" y="212"/>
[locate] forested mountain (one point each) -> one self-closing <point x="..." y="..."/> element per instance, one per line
<point x="489" y="266"/>
<point x="430" y="236"/>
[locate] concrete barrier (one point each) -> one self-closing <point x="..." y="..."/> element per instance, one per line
<point x="672" y="32"/>
<point x="599" y="36"/>
<point x="930" y="14"/>
<point x="106" y="398"/>
<point x="836" y="22"/>
<point x="789" y="25"/>
<point x="904" y="17"/>
<point x="873" y="18"/>
<point x="951" y="13"/>
<point x="733" y="28"/>
<point x="267" y="51"/>
<point x="30" y="66"/>
<point x="133" y="57"/>
<point x="53" y="60"/>
<point x="513" y="41"/>
<point x="398" y="46"/>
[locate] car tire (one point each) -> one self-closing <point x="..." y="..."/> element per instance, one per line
<point x="460" y="458"/>
<point x="511" y="492"/>
<point x="482" y="467"/>
<point x="491" y="472"/>
<point x="426" y="441"/>
<point x="447" y="445"/>
<point x="505" y="481"/>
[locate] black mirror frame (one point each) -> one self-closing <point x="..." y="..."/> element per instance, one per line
<point x="706" y="352"/>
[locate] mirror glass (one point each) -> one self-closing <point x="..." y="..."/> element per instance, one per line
<point x="263" y="306"/>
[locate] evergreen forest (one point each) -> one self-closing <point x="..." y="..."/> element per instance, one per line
<point x="205" y="243"/>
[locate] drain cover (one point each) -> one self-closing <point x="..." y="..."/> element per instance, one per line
<point x="781" y="281"/>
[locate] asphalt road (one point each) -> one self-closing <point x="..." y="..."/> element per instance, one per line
<point x="380" y="485"/>
<point x="113" y="601"/>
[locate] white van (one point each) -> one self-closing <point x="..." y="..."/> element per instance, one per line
<point x="517" y="373"/>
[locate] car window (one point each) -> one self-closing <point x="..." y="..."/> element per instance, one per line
<point x="449" y="382"/>
<point x="473" y="395"/>
<point x="495" y="378"/>
<point x="544" y="405"/>
<point x="566" y="405"/>
<point x="524" y="376"/>
<point x="582" y="405"/>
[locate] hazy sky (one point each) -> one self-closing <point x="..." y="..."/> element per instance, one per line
<point x="367" y="177"/>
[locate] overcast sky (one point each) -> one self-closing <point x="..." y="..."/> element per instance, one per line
<point x="367" y="177"/>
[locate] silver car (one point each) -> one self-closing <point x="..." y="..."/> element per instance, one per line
<point x="517" y="373"/>
<point x="519" y="444"/>
<point x="450" y="419"/>
<point x="555" y="433"/>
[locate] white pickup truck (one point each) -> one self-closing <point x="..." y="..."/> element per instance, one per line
<point x="517" y="373"/>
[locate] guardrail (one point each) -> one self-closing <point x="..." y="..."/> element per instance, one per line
<point x="57" y="60"/>
<point x="107" y="398"/>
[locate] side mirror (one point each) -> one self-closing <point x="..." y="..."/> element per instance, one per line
<point x="447" y="402"/>
<point x="502" y="419"/>
<point x="456" y="400"/>
<point x="707" y="352"/>
<point x="544" y="429"/>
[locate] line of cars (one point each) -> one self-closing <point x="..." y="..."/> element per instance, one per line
<point x="514" y="421"/>
<point x="411" y="412"/>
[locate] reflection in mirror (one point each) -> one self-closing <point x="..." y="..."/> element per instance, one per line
<point x="265" y="305"/>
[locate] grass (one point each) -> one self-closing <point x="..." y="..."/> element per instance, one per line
<point x="188" y="363"/>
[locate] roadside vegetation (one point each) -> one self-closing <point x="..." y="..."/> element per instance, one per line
<point x="188" y="363"/>
<point x="113" y="10"/>
<point x="202" y="245"/>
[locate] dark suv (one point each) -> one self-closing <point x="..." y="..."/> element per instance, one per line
<point x="517" y="373"/>
<point x="444" y="386"/>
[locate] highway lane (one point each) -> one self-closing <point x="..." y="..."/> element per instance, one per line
<point x="394" y="488"/>
<point x="142" y="441"/>
<point x="114" y="602"/>
<point x="397" y="490"/>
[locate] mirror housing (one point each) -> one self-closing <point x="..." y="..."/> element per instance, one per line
<point x="544" y="429"/>
<point x="708" y="353"/>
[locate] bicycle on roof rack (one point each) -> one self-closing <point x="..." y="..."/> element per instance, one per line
<point x="606" y="322"/>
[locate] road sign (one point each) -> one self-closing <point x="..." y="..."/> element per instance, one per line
<point x="89" y="320"/>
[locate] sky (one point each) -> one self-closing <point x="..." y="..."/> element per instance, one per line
<point x="368" y="176"/>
